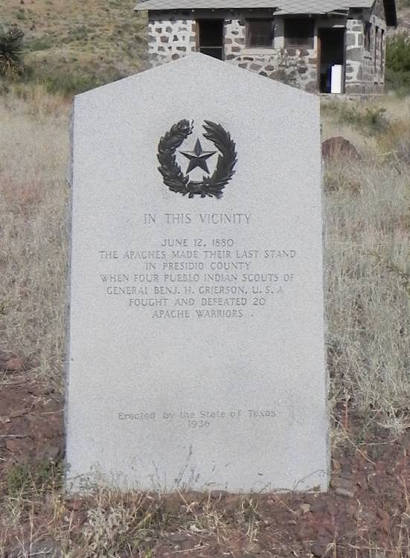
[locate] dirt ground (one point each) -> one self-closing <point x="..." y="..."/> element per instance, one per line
<point x="366" y="512"/>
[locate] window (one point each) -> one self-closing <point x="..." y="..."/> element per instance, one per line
<point x="367" y="30"/>
<point x="376" y="45"/>
<point x="299" y="33"/>
<point x="259" y="33"/>
<point x="382" y="50"/>
<point x="211" y="37"/>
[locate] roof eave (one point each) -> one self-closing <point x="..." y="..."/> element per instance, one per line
<point x="140" y="7"/>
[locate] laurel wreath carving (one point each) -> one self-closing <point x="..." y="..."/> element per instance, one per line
<point x="176" y="180"/>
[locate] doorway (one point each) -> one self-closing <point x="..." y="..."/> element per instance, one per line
<point x="331" y="60"/>
<point x="211" y="37"/>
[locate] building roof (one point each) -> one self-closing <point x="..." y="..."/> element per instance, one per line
<point x="281" y="7"/>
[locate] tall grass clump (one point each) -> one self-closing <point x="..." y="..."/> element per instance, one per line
<point x="33" y="253"/>
<point x="368" y="277"/>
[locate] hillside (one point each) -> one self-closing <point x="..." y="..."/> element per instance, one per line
<point x="77" y="44"/>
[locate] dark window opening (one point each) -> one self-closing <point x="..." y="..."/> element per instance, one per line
<point x="376" y="45"/>
<point x="332" y="60"/>
<point x="259" y="33"/>
<point x="299" y="33"/>
<point x="367" y="35"/>
<point x="211" y="37"/>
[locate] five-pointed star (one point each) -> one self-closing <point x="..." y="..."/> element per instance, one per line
<point x="197" y="157"/>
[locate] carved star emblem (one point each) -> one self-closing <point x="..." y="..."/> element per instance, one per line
<point x="197" y="157"/>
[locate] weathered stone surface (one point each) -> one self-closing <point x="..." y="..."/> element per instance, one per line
<point x="14" y="364"/>
<point x="196" y="354"/>
<point x="311" y="86"/>
<point x="351" y="39"/>
<point x="354" y="54"/>
<point x="339" y="147"/>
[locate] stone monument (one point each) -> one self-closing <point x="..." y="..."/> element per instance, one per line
<point x="195" y="345"/>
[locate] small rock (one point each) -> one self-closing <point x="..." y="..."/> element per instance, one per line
<point x="342" y="482"/>
<point x="318" y="549"/>
<point x="177" y="538"/>
<point x="14" y="364"/>
<point x="305" y="508"/>
<point x="253" y="548"/>
<point x="47" y="549"/>
<point x="52" y="453"/>
<point x="344" y="492"/>
<point x="14" y="444"/>
<point x="319" y="505"/>
<point x="384" y="520"/>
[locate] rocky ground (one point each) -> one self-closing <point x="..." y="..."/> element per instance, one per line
<point x="366" y="512"/>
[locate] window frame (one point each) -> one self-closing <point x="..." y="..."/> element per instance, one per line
<point x="251" y="20"/>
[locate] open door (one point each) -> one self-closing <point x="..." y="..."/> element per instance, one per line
<point x="211" y="37"/>
<point x="332" y="60"/>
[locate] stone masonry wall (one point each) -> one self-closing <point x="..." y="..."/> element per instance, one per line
<point x="294" y="66"/>
<point x="365" y="67"/>
<point x="354" y="54"/>
<point x="170" y="38"/>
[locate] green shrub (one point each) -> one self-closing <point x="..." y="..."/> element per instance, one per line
<point x="398" y="63"/>
<point x="11" y="44"/>
<point x="368" y="119"/>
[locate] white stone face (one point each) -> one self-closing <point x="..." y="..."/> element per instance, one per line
<point x="196" y="354"/>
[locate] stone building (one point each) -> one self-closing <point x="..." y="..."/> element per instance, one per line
<point x="329" y="46"/>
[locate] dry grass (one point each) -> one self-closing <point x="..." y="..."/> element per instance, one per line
<point x="367" y="275"/>
<point x="368" y="271"/>
<point x="33" y="248"/>
<point x="72" y="46"/>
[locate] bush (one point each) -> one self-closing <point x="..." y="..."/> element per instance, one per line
<point x="398" y="63"/>
<point x="11" y="44"/>
<point x="369" y="119"/>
